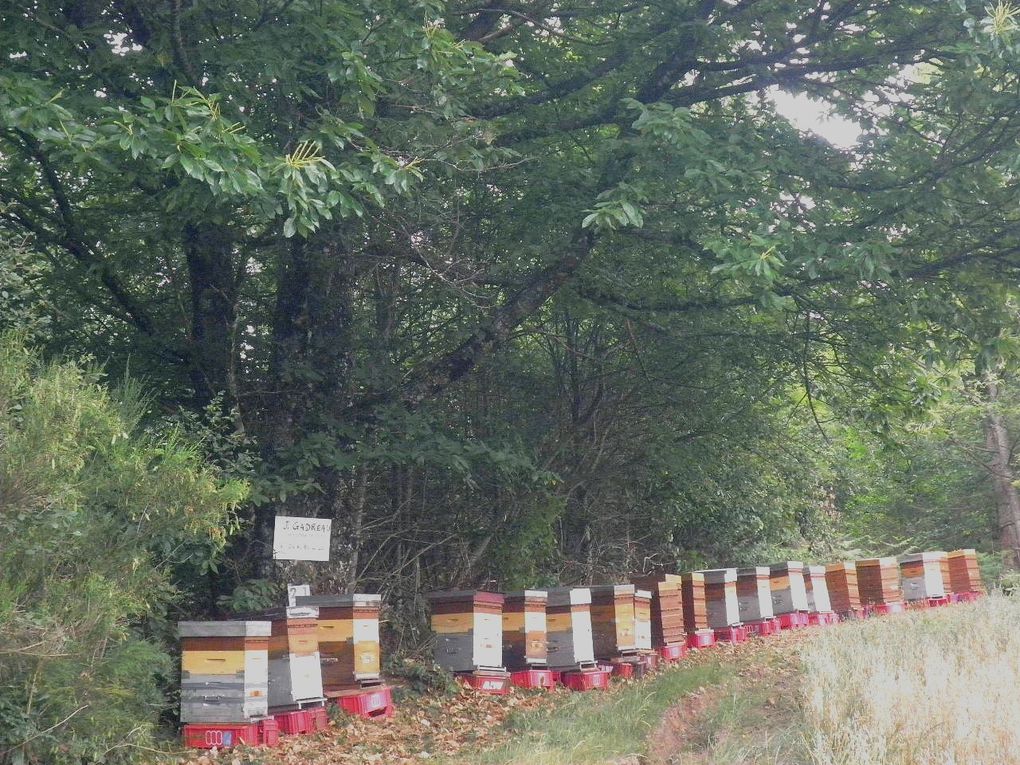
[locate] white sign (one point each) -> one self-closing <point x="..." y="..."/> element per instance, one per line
<point x="301" y="538"/>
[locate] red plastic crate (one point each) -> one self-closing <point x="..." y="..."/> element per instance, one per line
<point x="585" y="680"/>
<point x="492" y="684"/>
<point x="371" y="703"/>
<point x="883" y="609"/>
<point x="220" y="735"/>
<point x="763" y="627"/>
<point x="622" y="669"/>
<point x="532" y="678"/>
<point x="294" y="722"/>
<point x="731" y="635"/>
<point x="938" y="602"/>
<point x="793" y="621"/>
<point x="675" y="652"/>
<point x="825" y="619"/>
<point x="269" y="731"/>
<point x="649" y="661"/>
<point x="701" y="639"/>
<point x="320" y="718"/>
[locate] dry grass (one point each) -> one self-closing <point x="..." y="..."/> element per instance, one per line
<point x="939" y="686"/>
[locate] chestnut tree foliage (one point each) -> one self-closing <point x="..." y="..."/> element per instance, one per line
<point x="514" y="291"/>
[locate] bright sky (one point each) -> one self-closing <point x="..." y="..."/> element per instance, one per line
<point x="813" y="116"/>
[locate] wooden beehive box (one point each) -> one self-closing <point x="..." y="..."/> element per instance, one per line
<point x="817" y="590"/>
<point x="878" y="581"/>
<point x="612" y="620"/>
<point x="786" y="579"/>
<point x="295" y="672"/>
<point x="754" y="594"/>
<point x="921" y="575"/>
<point x="643" y="620"/>
<point x="695" y="609"/>
<point x="524" y="629"/>
<point x="721" y="597"/>
<point x="568" y="622"/>
<point x="841" y="579"/>
<point x="224" y="671"/>
<point x="348" y="633"/>
<point x="964" y="573"/>
<point x="667" y="608"/>
<point x="469" y="629"/>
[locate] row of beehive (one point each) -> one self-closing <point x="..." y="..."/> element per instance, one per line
<point x="571" y="627"/>
<point x="241" y="670"/>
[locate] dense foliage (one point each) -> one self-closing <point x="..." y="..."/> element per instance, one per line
<point x="101" y="521"/>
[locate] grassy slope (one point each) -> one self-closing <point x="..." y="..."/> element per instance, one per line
<point x="928" y="686"/>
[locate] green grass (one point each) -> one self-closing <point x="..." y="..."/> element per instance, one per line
<point x="596" y="727"/>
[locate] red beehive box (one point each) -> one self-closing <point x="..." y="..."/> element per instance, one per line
<point x="964" y="574"/>
<point x="841" y="579"/>
<point x="878" y="580"/>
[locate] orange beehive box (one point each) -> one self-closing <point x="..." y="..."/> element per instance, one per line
<point x="613" y="620"/>
<point x="964" y="573"/>
<point x="348" y="632"/>
<point x="695" y="608"/>
<point x="667" y="608"/>
<point x="841" y="578"/>
<point x="878" y="580"/>
<point x="525" y="639"/>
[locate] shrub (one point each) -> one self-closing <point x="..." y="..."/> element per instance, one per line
<point x="99" y="521"/>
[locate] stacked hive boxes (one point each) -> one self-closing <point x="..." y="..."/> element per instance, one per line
<point x="348" y="636"/>
<point x="695" y="608"/>
<point x="721" y="597"/>
<point x="841" y="579"/>
<point x="817" y="590"/>
<point x="786" y="580"/>
<point x="612" y="620"/>
<point x="878" y="580"/>
<point x="754" y="594"/>
<point x="568" y="621"/>
<point x="295" y="675"/>
<point x="667" y="608"/>
<point x="224" y="671"/>
<point x="524" y="629"/>
<point x="922" y="576"/>
<point x="469" y="630"/>
<point x="643" y="620"/>
<point x="964" y="574"/>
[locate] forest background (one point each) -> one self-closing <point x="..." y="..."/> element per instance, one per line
<point x="516" y="293"/>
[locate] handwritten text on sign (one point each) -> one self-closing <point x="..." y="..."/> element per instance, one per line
<point x="301" y="538"/>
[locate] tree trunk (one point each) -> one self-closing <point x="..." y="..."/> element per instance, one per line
<point x="1007" y="498"/>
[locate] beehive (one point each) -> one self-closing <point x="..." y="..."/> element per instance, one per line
<point x="667" y="608"/>
<point x="878" y="581"/>
<point x="786" y="580"/>
<point x="524" y="629"/>
<point x="721" y="597"/>
<point x="964" y="574"/>
<point x="612" y="620"/>
<point x="469" y="629"/>
<point x="921" y="575"/>
<point x="695" y="609"/>
<point x="295" y="672"/>
<point x="817" y="590"/>
<point x="348" y="632"/>
<point x="643" y="620"/>
<point x="841" y="580"/>
<point x="568" y="621"/>
<point x="224" y="671"/>
<point x="754" y="594"/>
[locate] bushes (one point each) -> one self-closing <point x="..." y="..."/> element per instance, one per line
<point x="99" y="521"/>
